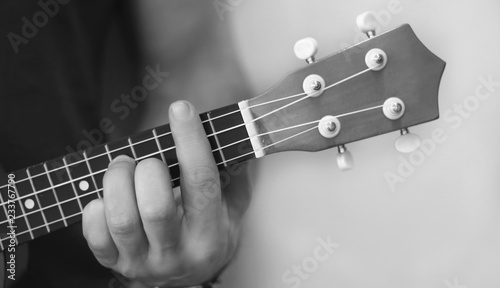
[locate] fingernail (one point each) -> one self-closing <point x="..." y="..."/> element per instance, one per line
<point x="121" y="158"/>
<point x="181" y="110"/>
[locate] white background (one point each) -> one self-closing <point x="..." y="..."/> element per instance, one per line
<point x="441" y="227"/>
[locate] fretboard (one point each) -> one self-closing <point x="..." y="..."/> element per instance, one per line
<point x="51" y="195"/>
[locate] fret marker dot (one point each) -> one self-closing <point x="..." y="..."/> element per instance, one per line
<point x="29" y="203"/>
<point x="84" y="185"/>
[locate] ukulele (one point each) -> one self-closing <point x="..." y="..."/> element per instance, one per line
<point x="386" y="83"/>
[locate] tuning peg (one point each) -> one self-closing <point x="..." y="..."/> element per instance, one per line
<point x="367" y="23"/>
<point x="305" y="49"/>
<point x="344" y="159"/>
<point x="407" y="142"/>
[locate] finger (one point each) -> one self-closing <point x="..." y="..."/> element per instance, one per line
<point x="95" y="231"/>
<point x="122" y="215"/>
<point x="157" y="205"/>
<point x="200" y="181"/>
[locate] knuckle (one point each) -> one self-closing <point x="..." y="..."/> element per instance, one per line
<point x="92" y="206"/>
<point x="122" y="224"/>
<point x="201" y="178"/>
<point x="107" y="262"/>
<point x="174" y="265"/>
<point x="128" y="270"/>
<point x="156" y="214"/>
<point x="209" y="253"/>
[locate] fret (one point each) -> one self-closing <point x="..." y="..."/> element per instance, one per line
<point x="132" y="148"/>
<point x="91" y="172"/>
<point x="99" y="161"/>
<point x="19" y="207"/>
<point x="98" y="158"/>
<point x="82" y="181"/>
<point x="230" y="130"/>
<point x="36" y="205"/>
<point x="119" y="147"/>
<point x="145" y="146"/>
<point x="158" y="145"/>
<point x="50" y="201"/>
<point x="73" y="195"/>
<point x="73" y="183"/>
<point x="56" y="171"/>
<point x="167" y="145"/>
<point x="108" y="153"/>
<point x="65" y="196"/>
<point x="217" y="145"/>
<point x="214" y="142"/>
<point x="165" y="137"/>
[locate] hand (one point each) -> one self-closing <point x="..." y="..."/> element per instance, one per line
<point x="141" y="230"/>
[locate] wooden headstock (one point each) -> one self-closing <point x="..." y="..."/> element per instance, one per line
<point x="351" y="92"/>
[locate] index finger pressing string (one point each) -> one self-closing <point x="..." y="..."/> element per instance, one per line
<point x="198" y="171"/>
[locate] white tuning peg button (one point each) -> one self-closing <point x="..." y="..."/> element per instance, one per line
<point x="367" y="23"/>
<point x="407" y="142"/>
<point x="344" y="159"/>
<point x="305" y="49"/>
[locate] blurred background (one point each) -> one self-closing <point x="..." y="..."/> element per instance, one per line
<point x="440" y="227"/>
<point x="309" y="225"/>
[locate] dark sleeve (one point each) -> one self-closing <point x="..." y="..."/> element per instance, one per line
<point x="53" y="68"/>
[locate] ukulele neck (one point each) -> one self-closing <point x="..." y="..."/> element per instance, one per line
<point x="51" y="195"/>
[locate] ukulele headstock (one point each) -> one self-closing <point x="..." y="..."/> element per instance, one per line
<point x="386" y="83"/>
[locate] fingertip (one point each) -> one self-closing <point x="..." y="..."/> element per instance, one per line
<point x="94" y="205"/>
<point x="181" y="110"/>
<point x="150" y="163"/>
<point x="118" y="175"/>
<point x="152" y="174"/>
<point x="122" y="159"/>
